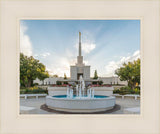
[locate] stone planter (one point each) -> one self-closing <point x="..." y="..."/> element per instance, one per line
<point x="108" y="91"/>
<point x="57" y="91"/>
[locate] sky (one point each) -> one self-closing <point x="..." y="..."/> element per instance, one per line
<point x="106" y="44"/>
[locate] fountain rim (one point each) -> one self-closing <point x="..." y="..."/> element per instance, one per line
<point x="81" y="99"/>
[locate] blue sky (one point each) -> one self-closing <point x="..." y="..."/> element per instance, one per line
<point x="106" y="44"/>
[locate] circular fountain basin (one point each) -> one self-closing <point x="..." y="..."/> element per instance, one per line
<point x="80" y="104"/>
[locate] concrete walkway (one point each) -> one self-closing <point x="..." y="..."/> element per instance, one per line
<point x="36" y="103"/>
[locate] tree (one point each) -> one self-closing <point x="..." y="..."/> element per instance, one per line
<point x="95" y="75"/>
<point x="130" y="72"/>
<point x="30" y="69"/>
<point x="55" y="75"/>
<point x="65" y="77"/>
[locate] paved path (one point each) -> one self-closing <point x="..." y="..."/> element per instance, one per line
<point x="126" y="103"/>
<point x="36" y="103"/>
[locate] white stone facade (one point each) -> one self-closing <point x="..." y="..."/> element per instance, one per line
<point x="79" y="68"/>
<point x="106" y="80"/>
<point x="49" y="81"/>
<point x="112" y="80"/>
<point x="84" y="70"/>
<point x="73" y="72"/>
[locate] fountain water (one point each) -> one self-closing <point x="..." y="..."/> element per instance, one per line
<point x="80" y="91"/>
<point x="69" y="93"/>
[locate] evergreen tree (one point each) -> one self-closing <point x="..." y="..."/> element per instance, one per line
<point x="95" y="75"/>
<point x="65" y="77"/>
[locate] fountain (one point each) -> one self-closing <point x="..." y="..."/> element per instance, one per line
<point x="80" y="93"/>
<point x="81" y="102"/>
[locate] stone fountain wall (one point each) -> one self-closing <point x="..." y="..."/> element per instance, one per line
<point x="108" y="91"/>
<point x="57" y="91"/>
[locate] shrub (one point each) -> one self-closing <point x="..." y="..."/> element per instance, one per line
<point x="116" y="91"/>
<point x="100" y="82"/>
<point x="65" y="82"/>
<point x="33" y="91"/>
<point x="33" y="88"/>
<point x="126" y="90"/>
<point x="97" y="85"/>
<point x="35" y="84"/>
<point x="58" y="83"/>
<point x="94" y="82"/>
<point x="122" y="90"/>
<point x="137" y="91"/>
<point x="26" y="91"/>
<point x="39" y="91"/>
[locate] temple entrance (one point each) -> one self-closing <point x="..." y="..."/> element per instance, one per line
<point x="78" y="75"/>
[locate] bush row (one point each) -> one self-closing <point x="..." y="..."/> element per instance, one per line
<point x="33" y="91"/>
<point x="127" y="90"/>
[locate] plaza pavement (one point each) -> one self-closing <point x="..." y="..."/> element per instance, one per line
<point x="36" y="104"/>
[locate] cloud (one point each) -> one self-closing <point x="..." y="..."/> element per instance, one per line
<point x="35" y="55"/>
<point x="70" y="53"/>
<point x="85" y="62"/>
<point x="50" y="71"/>
<point x="86" y="47"/>
<point x="44" y="55"/>
<point x="113" y="65"/>
<point x="60" y="67"/>
<point x="59" y="63"/>
<point x="25" y="43"/>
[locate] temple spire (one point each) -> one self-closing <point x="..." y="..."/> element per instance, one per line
<point x="80" y="57"/>
<point x="79" y="43"/>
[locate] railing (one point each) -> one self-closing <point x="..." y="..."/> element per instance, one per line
<point x="33" y="95"/>
<point x="127" y="95"/>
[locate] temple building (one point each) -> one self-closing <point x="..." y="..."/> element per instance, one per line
<point x="80" y="69"/>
